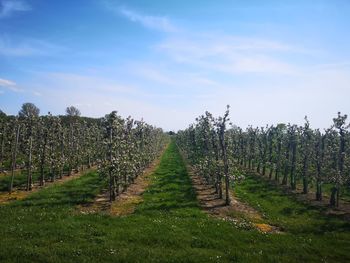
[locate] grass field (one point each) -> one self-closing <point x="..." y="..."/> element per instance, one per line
<point x="168" y="226"/>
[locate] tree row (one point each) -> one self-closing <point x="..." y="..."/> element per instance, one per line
<point x="292" y="155"/>
<point x="50" y="147"/>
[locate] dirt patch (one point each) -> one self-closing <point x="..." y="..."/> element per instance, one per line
<point x="6" y="198"/>
<point x="237" y="212"/>
<point x="266" y="228"/>
<point x="21" y="193"/>
<point x="127" y="201"/>
<point x="126" y="205"/>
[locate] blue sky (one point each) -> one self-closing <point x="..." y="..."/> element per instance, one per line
<point x="169" y="61"/>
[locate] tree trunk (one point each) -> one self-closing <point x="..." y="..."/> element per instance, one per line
<point x="341" y="156"/>
<point x="62" y="156"/>
<point x="305" y="172"/>
<point x="52" y="172"/>
<point x="2" y="149"/>
<point x="286" y="166"/>
<point x="270" y="159"/>
<point x="111" y="187"/>
<point x="333" y="200"/>
<point x="42" y="162"/>
<point x="115" y="187"/>
<point x="319" y="159"/>
<point x="264" y="169"/>
<point x="278" y="163"/>
<point x="29" y="165"/>
<point x="70" y="151"/>
<point x="14" y="156"/>
<point x="292" y="173"/>
<point x="319" y="190"/>
<point x="219" y="183"/>
<point x="264" y="159"/>
<point x="227" y="179"/>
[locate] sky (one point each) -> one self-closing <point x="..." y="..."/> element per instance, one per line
<point x="169" y="61"/>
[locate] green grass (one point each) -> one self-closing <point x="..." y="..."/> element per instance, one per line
<point x="167" y="227"/>
<point x="20" y="179"/>
<point x="326" y="187"/>
<point x="286" y="212"/>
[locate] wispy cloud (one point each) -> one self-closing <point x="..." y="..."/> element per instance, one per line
<point x="230" y="54"/>
<point x="8" y="7"/>
<point x="180" y="79"/>
<point x="9" y="84"/>
<point x="160" y="23"/>
<point x="96" y="96"/>
<point x="224" y="53"/>
<point x="336" y="65"/>
<point x="153" y="22"/>
<point x="28" y="47"/>
<point x="6" y="83"/>
<point x="36" y="93"/>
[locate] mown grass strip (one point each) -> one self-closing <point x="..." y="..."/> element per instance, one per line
<point x="171" y="191"/>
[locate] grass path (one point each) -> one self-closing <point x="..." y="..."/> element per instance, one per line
<point x="168" y="226"/>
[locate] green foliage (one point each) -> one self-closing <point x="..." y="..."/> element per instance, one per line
<point x="54" y="145"/>
<point x="289" y="153"/>
<point x="128" y="148"/>
<point x="167" y="227"/>
<point x="206" y="147"/>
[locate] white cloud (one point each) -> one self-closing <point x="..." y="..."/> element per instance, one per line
<point x="319" y="94"/>
<point x="193" y="72"/>
<point x="36" y="93"/>
<point x="71" y="81"/>
<point x="152" y="73"/>
<point x="160" y="23"/>
<point x="336" y="65"/>
<point x="254" y="64"/>
<point x="8" y="7"/>
<point x="96" y="96"/>
<point x="9" y="84"/>
<point x="230" y="54"/>
<point x="6" y="83"/>
<point x="28" y="47"/>
<point x="175" y="80"/>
